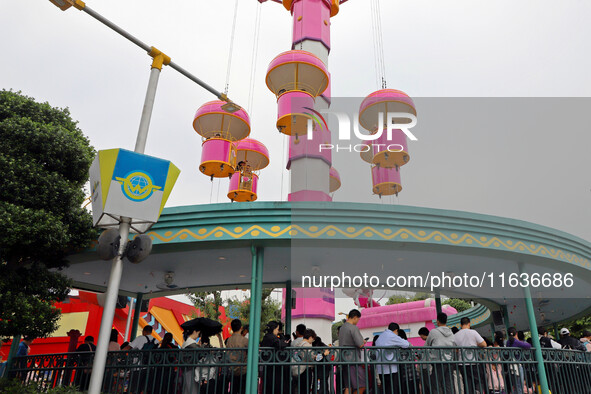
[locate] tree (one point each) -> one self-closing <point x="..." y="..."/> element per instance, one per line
<point x="459" y="304"/>
<point x="208" y="303"/>
<point x="576" y="326"/>
<point x="270" y="309"/>
<point x="397" y="299"/>
<point x="44" y="162"/>
<point x="400" y="299"/>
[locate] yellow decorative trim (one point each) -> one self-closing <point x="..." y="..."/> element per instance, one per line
<point x="367" y="232"/>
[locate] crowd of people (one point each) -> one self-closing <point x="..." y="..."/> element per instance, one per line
<point x="447" y="365"/>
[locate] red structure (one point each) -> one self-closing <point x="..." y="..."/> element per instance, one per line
<point x="83" y="312"/>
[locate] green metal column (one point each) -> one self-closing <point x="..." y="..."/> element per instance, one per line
<point x="252" y="368"/>
<point x="506" y="318"/>
<point x="438" y="301"/>
<point x="16" y="340"/>
<point x="136" y="316"/>
<point x="492" y="329"/>
<point x="556" y="332"/>
<point x="252" y="319"/>
<point x="536" y="340"/>
<point x="288" y="302"/>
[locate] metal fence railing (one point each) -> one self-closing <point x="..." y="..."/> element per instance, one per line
<point x="492" y="370"/>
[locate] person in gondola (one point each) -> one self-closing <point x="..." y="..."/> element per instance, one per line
<point x="273" y="381"/>
<point x="246" y="177"/>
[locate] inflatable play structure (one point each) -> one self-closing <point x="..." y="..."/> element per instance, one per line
<point x="411" y="316"/>
<point x="81" y="317"/>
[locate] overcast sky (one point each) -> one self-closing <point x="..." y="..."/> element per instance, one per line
<point x="432" y="49"/>
<point x="461" y="48"/>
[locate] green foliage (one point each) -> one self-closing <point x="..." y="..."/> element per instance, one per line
<point x="397" y="299"/>
<point x="208" y="303"/>
<point x="44" y="162"/>
<point x="15" y="386"/>
<point x="576" y="326"/>
<point x="457" y="303"/>
<point x="26" y="296"/>
<point x="270" y="309"/>
<point x="400" y="299"/>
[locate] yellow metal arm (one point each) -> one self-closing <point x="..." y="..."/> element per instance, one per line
<point x="159" y="58"/>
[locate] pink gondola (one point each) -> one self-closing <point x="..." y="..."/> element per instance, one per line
<point x="385" y="181"/>
<point x="218" y="158"/>
<point x="243" y="187"/>
<point x="296" y="77"/>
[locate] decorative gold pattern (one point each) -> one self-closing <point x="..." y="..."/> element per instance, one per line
<point x="370" y="232"/>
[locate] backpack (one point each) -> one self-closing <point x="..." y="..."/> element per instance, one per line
<point x="149" y="345"/>
<point x="546" y="342"/>
<point x="585" y="344"/>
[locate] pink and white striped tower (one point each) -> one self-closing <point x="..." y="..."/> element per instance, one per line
<point x="310" y="169"/>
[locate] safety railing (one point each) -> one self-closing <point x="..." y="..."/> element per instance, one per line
<point x="319" y="370"/>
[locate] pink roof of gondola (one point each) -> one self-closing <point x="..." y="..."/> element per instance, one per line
<point x="215" y="108"/>
<point x="386" y="95"/>
<point x="299" y="68"/>
<point x="296" y="56"/>
<point x="256" y="152"/>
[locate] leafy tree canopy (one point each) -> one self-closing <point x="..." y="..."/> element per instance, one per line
<point x="44" y="162"/>
<point x="575" y="327"/>
<point x="400" y="299"/>
<point x="459" y="304"/>
<point x="209" y="303"/>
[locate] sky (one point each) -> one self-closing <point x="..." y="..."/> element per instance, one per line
<point x="433" y="49"/>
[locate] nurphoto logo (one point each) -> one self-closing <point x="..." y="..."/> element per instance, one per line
<point x="392" y="121"/>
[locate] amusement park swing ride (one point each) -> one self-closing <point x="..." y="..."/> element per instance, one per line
<point x="330" y="234"/>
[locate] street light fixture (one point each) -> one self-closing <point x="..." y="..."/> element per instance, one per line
<point x="231" y="107"/>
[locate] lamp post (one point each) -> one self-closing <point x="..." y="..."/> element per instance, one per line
<point x="102" y="345"/>
<point x="159" y="59"/>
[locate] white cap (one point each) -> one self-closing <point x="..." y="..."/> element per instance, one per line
<point x="564" y="331"/>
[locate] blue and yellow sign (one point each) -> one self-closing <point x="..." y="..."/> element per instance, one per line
<point x="130" y="184"/>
